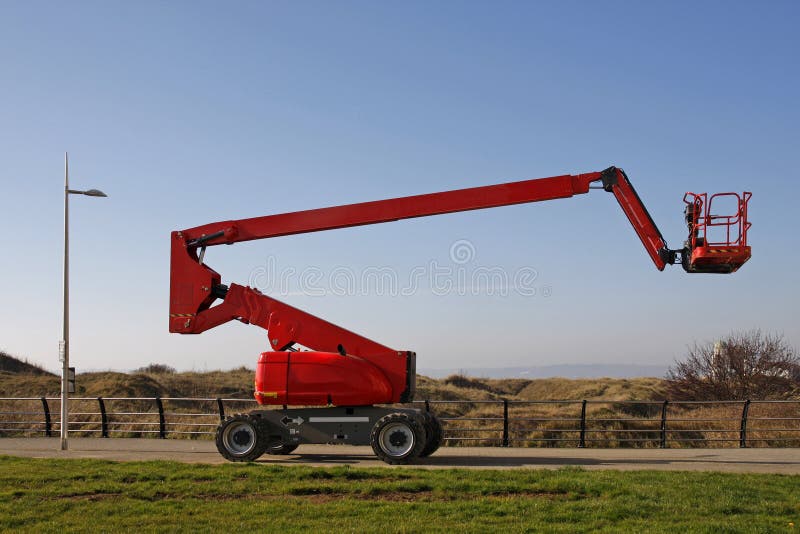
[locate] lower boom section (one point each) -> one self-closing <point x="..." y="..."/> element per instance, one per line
<point x="397" y="435"/>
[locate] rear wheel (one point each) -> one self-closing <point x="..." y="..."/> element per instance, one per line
<point x="280" y="448"/>
<point x="398" y="438"/>
<point x="239" y="438"/>
<point x="434" y="434"/>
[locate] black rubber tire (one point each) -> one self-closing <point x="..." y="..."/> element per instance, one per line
<point x="280" y="449"/>
<point x="398" y="428"/>
<point x="435" y="434"/>
<point x="240" y="438"/>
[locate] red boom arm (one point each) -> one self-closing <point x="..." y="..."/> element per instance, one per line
<point x="194" y="286"/>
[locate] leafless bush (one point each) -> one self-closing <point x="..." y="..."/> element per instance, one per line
<point x="744" y="365"/>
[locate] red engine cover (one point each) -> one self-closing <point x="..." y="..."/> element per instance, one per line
<point x="318" y="379"/>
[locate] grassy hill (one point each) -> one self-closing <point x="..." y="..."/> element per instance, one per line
<point x="234" y="384"/>
<point x="238" y="383"/>
<point x="459" y="387"/>
<point x="10" y="364"/>
<point x="19" y="378"/>
<point x="612" y="422"/>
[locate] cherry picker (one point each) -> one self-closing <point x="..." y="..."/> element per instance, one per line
<point x="342" y="385"/>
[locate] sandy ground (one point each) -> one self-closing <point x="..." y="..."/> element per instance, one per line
<point x="785" y="461"/>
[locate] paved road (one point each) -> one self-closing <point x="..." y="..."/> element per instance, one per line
<point x="786" y="461"/>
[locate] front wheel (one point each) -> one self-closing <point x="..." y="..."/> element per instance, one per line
<point x="398" y="438"/>
<point x="239" y="438"/>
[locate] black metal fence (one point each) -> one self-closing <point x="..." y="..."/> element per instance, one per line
<point x="581" y="423"/>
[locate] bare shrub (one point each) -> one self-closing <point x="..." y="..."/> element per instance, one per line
<point x="744" y="365"/>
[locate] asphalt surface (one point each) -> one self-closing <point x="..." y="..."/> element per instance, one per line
<point x="784" y="461"/>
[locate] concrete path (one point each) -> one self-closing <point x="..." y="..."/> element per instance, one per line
<point x="785" y="461"/>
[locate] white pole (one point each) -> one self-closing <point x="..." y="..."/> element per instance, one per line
<point x="65" y="335"/>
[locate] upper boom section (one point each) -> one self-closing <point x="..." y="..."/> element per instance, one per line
<point x="381" y="211"/>
<point x="194" y="286"/>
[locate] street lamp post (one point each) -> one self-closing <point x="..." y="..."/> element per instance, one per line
<point x="64" y="345"/>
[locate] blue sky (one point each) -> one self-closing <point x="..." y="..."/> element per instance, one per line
<point x="191" y="112"/>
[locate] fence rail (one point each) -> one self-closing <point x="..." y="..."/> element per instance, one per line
<point x="552" y="423"/>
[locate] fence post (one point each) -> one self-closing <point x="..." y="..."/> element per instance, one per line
<point x="663" y="444"/>
<point x="103" y="417"/>
<point x="162" y="424"/>
<point x="582" y="442"/>
<point x="427" y="405"/>
<point x="221" y="410"/>
<point x="48" y="423"/>
<point x="505" y="423"/>
<point x="743" y="431"/>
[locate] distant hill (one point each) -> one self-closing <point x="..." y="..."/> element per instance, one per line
<point x="535" y="421"/>
<point x="10" y="364"/>
<point x="19" y="378"/>
<point x="459" y="387"/>
<point x="555" y="371"/>
<point x="238" y="383"/>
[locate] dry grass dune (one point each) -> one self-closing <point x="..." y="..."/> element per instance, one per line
<point x="469" y="418"/>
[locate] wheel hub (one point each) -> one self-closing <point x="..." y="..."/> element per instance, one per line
<point x="398" y="438"/>
<point x="241" y="437"/>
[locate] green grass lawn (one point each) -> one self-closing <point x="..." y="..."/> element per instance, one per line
<point x="76" y="495"/>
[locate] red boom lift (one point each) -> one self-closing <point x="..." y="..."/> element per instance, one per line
<point x="346" y="375"/>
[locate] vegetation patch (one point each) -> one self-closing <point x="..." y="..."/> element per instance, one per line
<point x="77" y="495"/>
